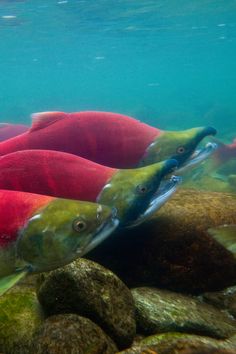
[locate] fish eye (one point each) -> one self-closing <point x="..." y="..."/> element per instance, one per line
<point x="180" y="150"/>
<point x="79" y="225"/>
<point x="141" y="189"/>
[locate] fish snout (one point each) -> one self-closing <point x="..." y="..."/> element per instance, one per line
<point x="103" y="231"/>
<point x="170" y="166"/>
<point x="206" y="131"/>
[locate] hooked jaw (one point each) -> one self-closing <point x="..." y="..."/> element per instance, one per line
<point x="136" y="193"/>
<point x="165" y="191"/>
<point x="102" y="232"/>
<point x="180" y="145"/>
<point x="200" y="154"/>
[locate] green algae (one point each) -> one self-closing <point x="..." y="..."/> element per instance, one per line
<point x="20" y="316"/>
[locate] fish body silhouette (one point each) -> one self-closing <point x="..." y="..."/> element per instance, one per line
<point x="135" y="193"/>
<point x="110" y="139"/>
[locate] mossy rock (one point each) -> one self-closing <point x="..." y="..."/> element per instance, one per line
<point x="71" y="334"/>
<point x="181" y="343"/>
<point x="160" y="311"/>
<point x="173" y="250"/>
<point x="20" y="316"/>
<point x="90" y="290"/>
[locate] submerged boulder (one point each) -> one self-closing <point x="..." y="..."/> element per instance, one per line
<point x="69" y="334"/>
<point x="181" y="343"/>
<point x="88" y="289"/>
<point x="225" y="299"/>
<point x="20" y="317"/>
<point x="173" y="249"/>
<point x="159" y="311"/>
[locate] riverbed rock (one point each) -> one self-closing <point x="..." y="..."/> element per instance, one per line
<point x="71" y="334"/>
<point x="225" y="299"/>
<point x="88" y="289"/>
<point x="20" y="316"/>
<point x="173" y="249"/>
<point x="181" y="343"/>
<point x="160" y="311"/>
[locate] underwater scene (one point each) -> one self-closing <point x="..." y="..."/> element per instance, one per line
<point x="117" y="177"/>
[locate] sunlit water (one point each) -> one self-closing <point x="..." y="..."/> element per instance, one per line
<point x="170" y="63"/>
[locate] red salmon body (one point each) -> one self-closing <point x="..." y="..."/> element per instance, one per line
<point x="53" y="173"/>
<point x="224" y="153"/>
<point x="108" y="138"/>
<point x="15" y="209"/>
<point x="8" y="130"/>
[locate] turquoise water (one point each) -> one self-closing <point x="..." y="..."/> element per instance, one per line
<point x="170" y="63"/>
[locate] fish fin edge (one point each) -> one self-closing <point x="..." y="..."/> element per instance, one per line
<point x="44" y="119"/>
<point x="9" y="281"/>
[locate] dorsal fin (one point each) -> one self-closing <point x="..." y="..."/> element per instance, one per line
<point x="44" y="119"/>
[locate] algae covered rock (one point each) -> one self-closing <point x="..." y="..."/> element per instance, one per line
<point x="181" y="343"/>
<point x="160" y="311"/>
<point x="88" y="289"/>
<point x="71" y="334"/>
<point x="174" y="250"/>
<point x="20" y="316"/>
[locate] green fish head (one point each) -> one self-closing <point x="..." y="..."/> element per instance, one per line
<point x="135" y="193"/>
<point x="62" y="231"/>
<point x="179" y="145"/>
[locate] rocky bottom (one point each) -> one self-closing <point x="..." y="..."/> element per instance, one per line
<point x="85" y="308"/>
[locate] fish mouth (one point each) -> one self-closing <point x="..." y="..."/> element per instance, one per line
<point x="164" y="192"/>
<point x="102" y="232"/>
<point x="198" y="156"/>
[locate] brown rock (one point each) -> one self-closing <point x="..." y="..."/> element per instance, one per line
<point x="71" y="334"/>
<point x="88" y="289"/>
<point x="225" y="299"/>
<point x="173" y="250"/>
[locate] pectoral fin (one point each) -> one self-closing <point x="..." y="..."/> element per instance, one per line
<point x="7" y="282"/>
<point x="226" y="236"/>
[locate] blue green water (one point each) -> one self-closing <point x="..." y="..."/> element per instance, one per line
<point x="170" y="63"/>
